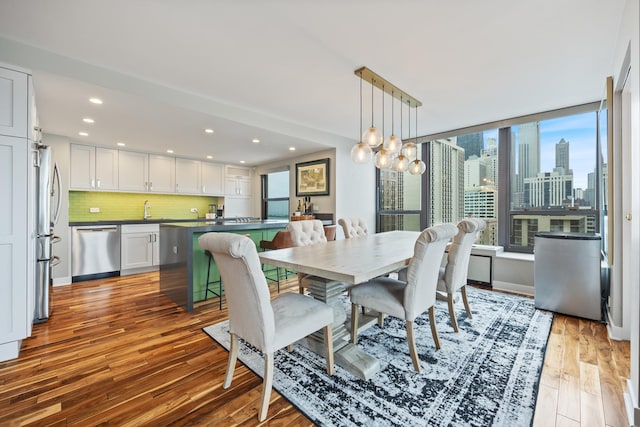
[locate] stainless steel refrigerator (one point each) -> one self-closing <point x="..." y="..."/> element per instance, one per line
<point x="48" y="197"/>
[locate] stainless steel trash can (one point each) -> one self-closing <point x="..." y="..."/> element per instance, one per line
<point x="567" y="274"/>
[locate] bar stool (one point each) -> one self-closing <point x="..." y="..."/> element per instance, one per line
<point x="212" y="282"/>
<point x="281" y="240"/>
<point x="218" y="282"/>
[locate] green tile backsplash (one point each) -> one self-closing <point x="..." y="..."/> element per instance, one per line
<point x="122" y="206"/>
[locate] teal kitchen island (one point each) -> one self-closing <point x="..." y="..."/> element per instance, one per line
<point x="183" y="263"/>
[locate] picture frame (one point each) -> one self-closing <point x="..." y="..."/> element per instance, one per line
<point x="312" y="178"/>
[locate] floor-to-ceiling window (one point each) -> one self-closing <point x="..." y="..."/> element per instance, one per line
<point x="275" y="195"/>
<point x="544" y="172"/>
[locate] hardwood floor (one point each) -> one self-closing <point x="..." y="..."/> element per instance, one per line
<point x="117" y="352"/>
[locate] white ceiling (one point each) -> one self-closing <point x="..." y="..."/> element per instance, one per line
<point x="282" y="71"/>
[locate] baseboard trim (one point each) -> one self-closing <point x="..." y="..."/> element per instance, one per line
<point x="618" y="333"/>
<point x="513" y="287"/>
<point x="61" y="281"/>
<point x="633" y="412"/>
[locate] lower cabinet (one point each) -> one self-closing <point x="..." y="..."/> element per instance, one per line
<point x="140" y="248"/>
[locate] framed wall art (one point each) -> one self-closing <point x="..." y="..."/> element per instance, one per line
<point x="312" y="178"/>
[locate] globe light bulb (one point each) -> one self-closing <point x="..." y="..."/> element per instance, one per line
<point x="383" y="159"/>
<point x="401" y="163"/>
<point x="417" y="167"/>
<point x="409" y="149"/>
<point x="361" y="153"/>
<point x="393" y="144"/>
<point x="372" y="137"/>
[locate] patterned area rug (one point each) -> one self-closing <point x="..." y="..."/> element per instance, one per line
<point x="487" y="374"/>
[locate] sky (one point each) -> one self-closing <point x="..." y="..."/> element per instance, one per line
<point x="580" y="131"/>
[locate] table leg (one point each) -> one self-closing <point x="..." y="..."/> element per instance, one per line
<point x="347" y="355"/>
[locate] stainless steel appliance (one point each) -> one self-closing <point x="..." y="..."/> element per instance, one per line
<point x="48" y="197"/>
<point x="96" y="251"/>
<point x="567" y="273"/>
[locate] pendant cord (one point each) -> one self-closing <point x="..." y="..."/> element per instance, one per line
<point x="371" y="103"/>
<point x="360" y="137"/>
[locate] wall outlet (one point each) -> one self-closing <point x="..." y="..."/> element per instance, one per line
<point x="194" y="210"/>
<point x="94" y="210"/>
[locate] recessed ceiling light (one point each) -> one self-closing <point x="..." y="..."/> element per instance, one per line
<point x="208" y="130"/>
<point x="95" y="100"/>
<point x="83" y="134"/>
<point x="88" y="120"/>
<point x="120" y="144"/>
<point x="241" y="161"/>
<point x="292" y="148"/>
<point x="170" y="151"/>
<point x="209" y="157"/>
<point x="255" y="141"/>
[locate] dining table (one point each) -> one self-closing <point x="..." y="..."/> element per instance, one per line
<point x="329" y="269"/>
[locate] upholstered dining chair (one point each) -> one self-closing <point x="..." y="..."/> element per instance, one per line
<point x="407" y="299"/>
<point x="267" y="325"/>
<point x="304" y="233"/>
<point x="453" y="276"/>
<point x="353" y="227"/>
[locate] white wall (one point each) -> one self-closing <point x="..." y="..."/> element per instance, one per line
<point x="325" y="204"/>
<point x="625" y="265"/>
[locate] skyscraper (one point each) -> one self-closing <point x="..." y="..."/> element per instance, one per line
<point x="446" y="173"/>
<point x="562" y="156"/>
<point x="528" y="150"/>
<point x="472" y="143"/>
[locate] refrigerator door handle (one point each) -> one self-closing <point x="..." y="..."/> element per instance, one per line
<point x="58" y="190"/>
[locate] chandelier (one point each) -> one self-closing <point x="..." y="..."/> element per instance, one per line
<point x="391" y="153"/>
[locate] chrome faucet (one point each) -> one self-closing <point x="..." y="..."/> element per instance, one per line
<point x="147" y="206"/>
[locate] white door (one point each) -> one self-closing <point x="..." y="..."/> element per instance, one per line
<point x="83" y="160"/>
<point x="14" y="108"/>
<point x="188" y="176"/>
<point x="137" y="250"/>
<point x="212" y="182"/>
<point x="133" y="171"/>
<point x="162" y="174"/>
<point x="106" y="169"/>
<point x="14" y="240"/>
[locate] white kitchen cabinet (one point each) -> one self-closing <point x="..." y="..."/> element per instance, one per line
<point x="237" y="207"/>
<point x="133" y="171"/>
<point x="237" y="181"/>
<point x="162" y="174"/>
<point x="93" y="168"/>
<point x="188" y="176"/>
<point x="14" y="238"/>
<point x="212" y="179"/>
<point x="140" y="248"/>
<point x="17" y="211"/>
<point x="146" y="172"/>
<point x="14" y="103"/>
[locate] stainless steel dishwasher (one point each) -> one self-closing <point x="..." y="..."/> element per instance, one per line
<point x="95" y="250"/>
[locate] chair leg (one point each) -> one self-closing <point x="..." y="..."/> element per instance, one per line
<point x="380" y="319"/>
<point x="328" y="348"/>
<point x="290" y="348"/>
<point x="354" y="323"/>
<point x="452" y="312"/>
<point x="233" y="355"/>
<point x="434" y="330"/>
<point x="412" y="346"/>
<point x="463" y="291"/>
<point x="267" y="383"/>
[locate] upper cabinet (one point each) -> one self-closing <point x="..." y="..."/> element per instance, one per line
<point x="188" y="176"/>
<point x="146" y="172"/>
<point x="133" y="171"/>
<point x="97" y="168"/>
<point x="212" y="179"/>
<point x="93" y="168"/>
<point x="238" y="181"/>
<point x="14" y="110"/>
<point x="162" y="174"/>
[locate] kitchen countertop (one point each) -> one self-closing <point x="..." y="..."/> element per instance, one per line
<point x="150" y="221"/>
